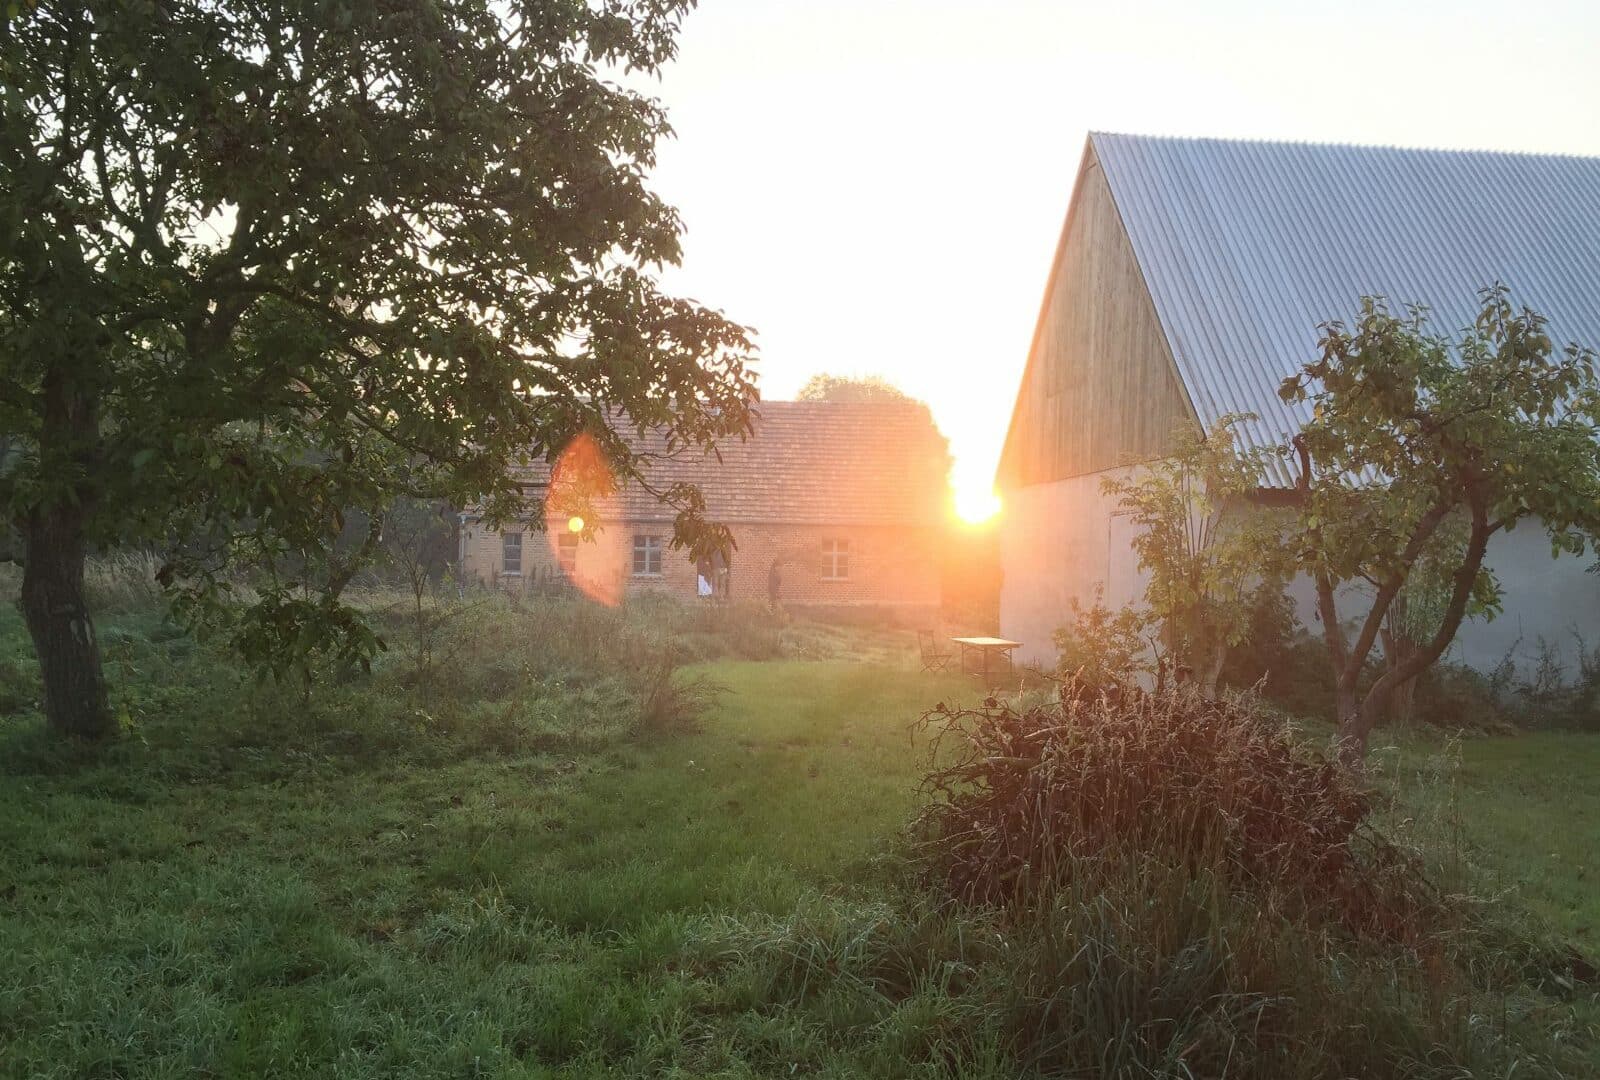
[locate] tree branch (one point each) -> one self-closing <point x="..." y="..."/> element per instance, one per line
<point x="1420" y="535"/>
<point x="1466" y="577"/>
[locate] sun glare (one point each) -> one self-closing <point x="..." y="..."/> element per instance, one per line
<point x="976" y="504"/>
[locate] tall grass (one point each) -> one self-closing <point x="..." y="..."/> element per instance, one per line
<point x="462" y="674"/>
<point x="464" y="671"/>
<point x="1037" y="794"/>
<point x="1160" y="886"/>
<point x="1147" y="974"/>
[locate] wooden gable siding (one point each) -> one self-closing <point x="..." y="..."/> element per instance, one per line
<point x="1100" y="388"/>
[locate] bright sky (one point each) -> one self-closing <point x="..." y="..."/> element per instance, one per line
<point x="877" y="186"/>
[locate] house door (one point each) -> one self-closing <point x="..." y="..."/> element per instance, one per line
<point x="712" y="577"/>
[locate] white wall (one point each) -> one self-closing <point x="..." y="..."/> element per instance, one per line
<point x="1059" y="540"/>
<point x="1543" y="598"/>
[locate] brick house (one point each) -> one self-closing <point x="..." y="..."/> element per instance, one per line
<point x="846" y="499"/>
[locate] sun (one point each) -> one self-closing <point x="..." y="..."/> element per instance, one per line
<point x="976" y="503"/>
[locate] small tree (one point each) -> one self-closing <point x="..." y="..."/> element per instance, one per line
<point x="1205" y="544"/>
<point x="419" y="542"/>
<point x="1099" y="648"/>
<point x="851" y="388"/>
<point x="1412" y="435"/>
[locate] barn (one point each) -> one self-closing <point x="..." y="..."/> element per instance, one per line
<point x="1190" y="279"/>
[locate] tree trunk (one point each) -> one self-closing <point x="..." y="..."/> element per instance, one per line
<point x="53" y="606"/>
<point x="1350" y="744"/>
<point x="1398" y="652"/>
<point x="1210" y="669"/>
<point x="1403" y="703"/>
<point x="1358" y="716"/>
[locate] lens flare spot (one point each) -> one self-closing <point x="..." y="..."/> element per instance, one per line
<point x="581" y="476"/>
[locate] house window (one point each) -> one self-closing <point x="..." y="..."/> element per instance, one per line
<point x="836" y="560"/>
<point x="511" y="553"/>
<point x="646" y="556"/>
<point x="567" y="551"/>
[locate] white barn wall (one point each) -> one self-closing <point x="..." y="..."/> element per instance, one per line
<point x="1060" y="541"/>
<point x="1543" y="598"/>
<point x="1063" y="539"/>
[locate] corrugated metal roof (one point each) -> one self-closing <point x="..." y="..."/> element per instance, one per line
<point x="1248" y="246"/>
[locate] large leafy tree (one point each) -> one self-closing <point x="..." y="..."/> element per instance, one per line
<point x="263" y="260"/>
<point x="1206" y="545"/>
<point x="1420" y="449"/>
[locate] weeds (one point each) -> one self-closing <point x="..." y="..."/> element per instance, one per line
<point x="1144" y="974"/>
<point x="491" y="676"/>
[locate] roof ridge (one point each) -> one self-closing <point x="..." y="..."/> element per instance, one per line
<point x="1335" y="144"/>
<point x="878" y="403"/>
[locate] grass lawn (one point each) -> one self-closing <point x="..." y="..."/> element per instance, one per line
<point x="1526" y="813"/>
<point x="245" y="909"/>
<point x="504" y="914"/>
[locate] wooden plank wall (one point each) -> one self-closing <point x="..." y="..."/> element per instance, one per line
<point x="1100" y="389"/>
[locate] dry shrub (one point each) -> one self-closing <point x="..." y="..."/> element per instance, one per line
<point x="1031" y="796"/>
<point x="674" y="703"/>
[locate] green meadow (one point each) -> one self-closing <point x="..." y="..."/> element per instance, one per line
<point x="349" y="882"/>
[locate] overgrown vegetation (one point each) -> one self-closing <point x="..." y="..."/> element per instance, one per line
<point x="523" y="864"/>
<point x="1038" y="795"/>
<point x="1538" y="686"/>
<point x="1098" y="649"/>
<point x="462" y="674"/>
<point x="1185" y="889"/>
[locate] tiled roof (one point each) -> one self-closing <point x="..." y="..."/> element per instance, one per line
<point x="1247" y="246"/>
<point x="808" y="462"/>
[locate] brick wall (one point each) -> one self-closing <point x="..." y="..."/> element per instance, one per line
<point x="887" y="565"/>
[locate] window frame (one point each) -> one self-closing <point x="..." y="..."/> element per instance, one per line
<point x="653" y="548"/>
<point x="567" y="552"/>
<point x="505" y="549"/>
<point x="836" y="552"/>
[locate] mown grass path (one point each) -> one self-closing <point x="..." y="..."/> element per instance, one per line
<point x="806" y="773"/>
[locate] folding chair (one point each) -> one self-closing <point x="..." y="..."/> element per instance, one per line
<point x="933" y="657"/>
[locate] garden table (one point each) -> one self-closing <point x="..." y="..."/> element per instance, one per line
<point x="981" y="650"/>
